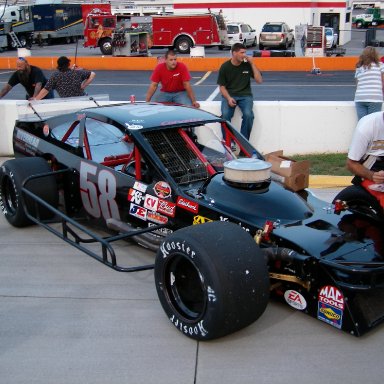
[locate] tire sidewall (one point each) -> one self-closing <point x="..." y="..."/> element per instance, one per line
<point x="18" y="218"/>
<point x="200" y="328"/>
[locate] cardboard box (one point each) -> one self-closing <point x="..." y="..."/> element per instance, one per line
<point x="293" y="174"/>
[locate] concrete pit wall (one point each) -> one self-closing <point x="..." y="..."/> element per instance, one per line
<point x="297" y="127"/>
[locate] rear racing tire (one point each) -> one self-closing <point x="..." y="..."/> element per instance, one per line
<point x="12" y="176"/>
<point x="183" y="44"/>
<point x="361" y="201"/>
<point x="106" y="46"/>
<point x="211" y="280"/>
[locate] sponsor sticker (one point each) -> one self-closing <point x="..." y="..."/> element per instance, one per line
<point x="295" y="299"/>
<point x="331" y="306"/>
<point x="135" y="196"/>
<point x="187" y="204"/>
<point x="166" y="207"/>
<point x="137" y="211"/>
<point x="151" y="202"/>
<point x="162" y="189"/>
<point x="156" y="217"/>
<point x="200" y="220"/>
<point x="140" y="186"/>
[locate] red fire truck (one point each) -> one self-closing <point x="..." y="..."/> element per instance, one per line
<point x="178" y="31"/>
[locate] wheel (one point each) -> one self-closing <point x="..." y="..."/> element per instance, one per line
<point x="23" y="41"/>
<point x="361" y="201"/>
<point x="245" y="43"/>
<point x="183" y="44"/>
<point x="12" y="175"/>
<point x="254" y="42"/>
<point x="106" y="46"/>
<point x="261" y="46"/>
<point x="211" y="279"/>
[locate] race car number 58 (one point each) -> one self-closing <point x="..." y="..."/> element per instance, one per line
<point x="98" y="197"/>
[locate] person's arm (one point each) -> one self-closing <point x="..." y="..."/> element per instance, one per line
<point x="231" y="101"/>
<point x="5" y="90"/>
<point x="256" y="73"/>
<point x="151" y="90"/>
<point x="88" y="81"/>
<point x="37" y="90"/>
<point x="41" y="95"/>
<point x="359" y="169"/>
<point x="191" y="94"/>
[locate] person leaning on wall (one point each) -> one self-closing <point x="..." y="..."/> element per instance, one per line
<point x="30" y="77"/>
<point x="68" y="82"/>
<point x="369" y="77"/>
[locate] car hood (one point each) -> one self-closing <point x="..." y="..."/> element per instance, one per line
<point x="256" y="206"/>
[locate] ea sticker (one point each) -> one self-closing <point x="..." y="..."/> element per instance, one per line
<point x="295" y="299"/>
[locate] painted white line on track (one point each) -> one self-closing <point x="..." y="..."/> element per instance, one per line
<point x="213" y="94"/>
<point x="203" y="78"/>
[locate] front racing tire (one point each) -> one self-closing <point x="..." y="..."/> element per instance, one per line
<point x="211" y="280"/>
<point x="12" y="176"/>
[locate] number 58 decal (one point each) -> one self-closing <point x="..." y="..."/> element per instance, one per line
<point x="98" y="197"/>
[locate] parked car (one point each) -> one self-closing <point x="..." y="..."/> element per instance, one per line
<point x="331" y="38"/>
<point x="241" y="33"/>
<point x="276" y="35"/>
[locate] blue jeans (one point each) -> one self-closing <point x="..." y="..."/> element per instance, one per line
<point x="174" y="97"/>
<point x="245" y="103"/>
<point x="364" y="108"/>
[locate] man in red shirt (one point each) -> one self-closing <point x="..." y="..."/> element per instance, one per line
<point x="175" y="86"/>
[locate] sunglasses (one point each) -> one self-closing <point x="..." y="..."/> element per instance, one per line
<point x="22" y="59"/>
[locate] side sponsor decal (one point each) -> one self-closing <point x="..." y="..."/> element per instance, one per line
<point x="331" y="306"/>
<point x="156" y="217"/>
<point x="162" y="189"/>
<point x="137" y="211"/>
<point x="140" y="186"/>
<point x="187" y="204"/>
<point x="295" y="299"/>
<point x="166" y="207"/>
<point x="200" y="220"/>
<point x="135" y="196"/>
<point x="151" y="202"/>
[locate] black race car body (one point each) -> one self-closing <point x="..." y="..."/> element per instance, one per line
<point x="144" y="171"/>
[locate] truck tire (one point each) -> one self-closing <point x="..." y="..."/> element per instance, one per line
<point x="183" y="44"/>
<point x="359" y="200"/>
<point x="106" y="46"/>
<point x="211" y="280"/>
<point x="12" y="176"/>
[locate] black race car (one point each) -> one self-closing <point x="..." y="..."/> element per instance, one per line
<point x="186" y="184"/>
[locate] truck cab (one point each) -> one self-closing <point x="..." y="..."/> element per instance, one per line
<point x="98" y="29"/>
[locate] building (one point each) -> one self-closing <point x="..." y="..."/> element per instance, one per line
<point x="336" y="14"/>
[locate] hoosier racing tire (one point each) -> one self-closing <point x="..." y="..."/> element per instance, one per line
<point x="211" y="280"/>
<point x="12" y="176"/>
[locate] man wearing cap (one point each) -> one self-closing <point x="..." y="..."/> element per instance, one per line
<point x="66" y="81"/>
<point x="30" y="77"/>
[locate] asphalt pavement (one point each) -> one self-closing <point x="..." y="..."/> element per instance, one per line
<point x="66" y="319"/>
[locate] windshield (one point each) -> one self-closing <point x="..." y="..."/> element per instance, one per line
<point x="232" y="29"/>
<point x="190" y="154"/>
<point x="271" y="28"/>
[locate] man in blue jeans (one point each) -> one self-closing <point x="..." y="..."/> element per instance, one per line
<point x="235" y="86"/>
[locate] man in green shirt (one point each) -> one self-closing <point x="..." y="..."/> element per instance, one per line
<point x="235" y="86"/>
